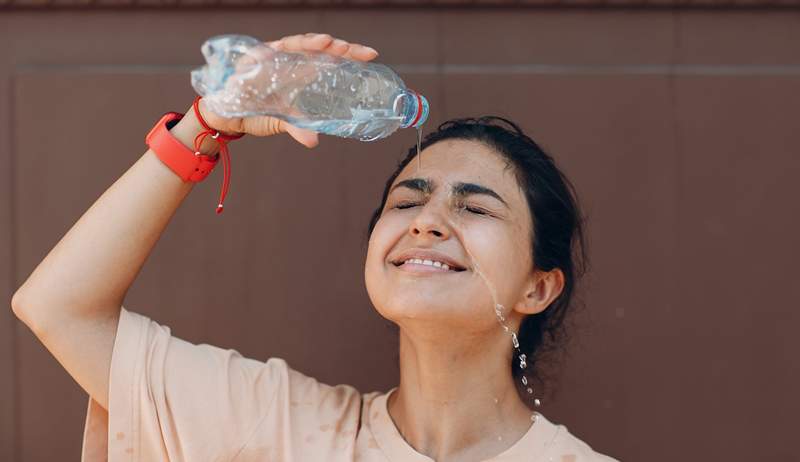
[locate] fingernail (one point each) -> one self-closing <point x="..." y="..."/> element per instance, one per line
<point x="372" y="50"/>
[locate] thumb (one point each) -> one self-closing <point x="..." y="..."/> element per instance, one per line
<point x="307" y="138"/>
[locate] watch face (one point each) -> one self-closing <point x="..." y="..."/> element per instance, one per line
<point x="169" y="119"/>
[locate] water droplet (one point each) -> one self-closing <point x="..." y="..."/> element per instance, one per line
<point x="537" y="402"/>
<point x="524" y="380"/>
<point x="353" y="87"/>
<point x="514" y="340"/>
<point x="530" y="390"/>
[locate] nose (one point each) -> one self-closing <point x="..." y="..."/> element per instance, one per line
<point x="431" y="221"/>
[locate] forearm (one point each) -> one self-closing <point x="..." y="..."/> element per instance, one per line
<point x="89" y="271"/>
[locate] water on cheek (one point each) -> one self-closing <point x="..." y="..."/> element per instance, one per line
<point x="455" y="219"/>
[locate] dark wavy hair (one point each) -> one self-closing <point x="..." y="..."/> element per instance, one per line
<point x="557" y="239"/>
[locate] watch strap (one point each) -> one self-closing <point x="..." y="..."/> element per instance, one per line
<point x="188" y="164"/>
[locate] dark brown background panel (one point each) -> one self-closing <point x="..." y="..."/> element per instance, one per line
<point x="7" y="283"/>
<point x="552" y="37"/>
<point x="738" y="250"/>
<point x="56" y="5"/>
<point x="679" y="135"/>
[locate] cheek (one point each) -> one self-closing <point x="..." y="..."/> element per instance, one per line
<point x="384" y="236"/>
<point x="501" y="258"/>
<point x="491" y="246"/>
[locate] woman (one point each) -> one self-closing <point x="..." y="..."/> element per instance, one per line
<point x="470" y="254"/>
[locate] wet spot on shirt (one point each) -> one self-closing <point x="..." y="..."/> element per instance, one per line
<point x="372" y="443"/>
<point x="325" y="427"/>
<point x="294" y="403"/>
<point x="129" y="451"/>
<point x="375" y="415"/>
<point x="309" y="438"/>
<point x="120" y="436"/>
<point x="568" y="458"/>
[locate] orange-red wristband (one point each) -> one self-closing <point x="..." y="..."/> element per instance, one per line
<point x="187" y="164"/>
<point x="190" y="165"/>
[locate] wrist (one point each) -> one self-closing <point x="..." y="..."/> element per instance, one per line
<point x="187" y="129"/>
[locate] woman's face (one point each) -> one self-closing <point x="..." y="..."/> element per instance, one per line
<point x="463" y="202"/>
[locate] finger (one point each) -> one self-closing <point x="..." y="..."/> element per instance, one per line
<point x="315" y="42"/>
<point x="268" y="126"/>
<point x="338" y="47"/>
<point x="307" y="138"/>
<point x="361" y="52"/>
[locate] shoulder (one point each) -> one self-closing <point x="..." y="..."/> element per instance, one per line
<point x="570" y="448"/>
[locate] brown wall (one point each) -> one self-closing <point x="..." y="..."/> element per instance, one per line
<point x="679" y="128"/>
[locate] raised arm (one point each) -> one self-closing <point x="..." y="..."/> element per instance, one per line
<point x="72" y="299"/>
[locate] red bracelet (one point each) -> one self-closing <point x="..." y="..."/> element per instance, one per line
<point x="191" y="165"/>
<point x="222" y="140"/>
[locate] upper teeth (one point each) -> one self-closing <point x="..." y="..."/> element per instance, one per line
<point x="428" y="262"/>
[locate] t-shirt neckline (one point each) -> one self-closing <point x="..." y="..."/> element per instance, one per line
<point x="532" y="444"/>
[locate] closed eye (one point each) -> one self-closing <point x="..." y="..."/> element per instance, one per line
<point x="476" y="210"/>
<point x="468" y="208"/>
<point x="406" y="205"/>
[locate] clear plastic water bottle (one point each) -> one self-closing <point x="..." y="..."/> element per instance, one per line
<point x="328" y="94"/>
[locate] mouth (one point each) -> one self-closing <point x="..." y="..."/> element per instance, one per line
<point x="427" y="265"/>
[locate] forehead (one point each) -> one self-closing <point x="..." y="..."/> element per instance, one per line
<point x="453" y="160"/>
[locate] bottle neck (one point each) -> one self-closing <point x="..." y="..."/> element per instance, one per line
<point x="413" y="107"/>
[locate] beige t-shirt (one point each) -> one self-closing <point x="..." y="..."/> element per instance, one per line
<point x="171" y="400"/>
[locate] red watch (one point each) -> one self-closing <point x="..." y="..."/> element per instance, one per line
<point x="189" y="165"/>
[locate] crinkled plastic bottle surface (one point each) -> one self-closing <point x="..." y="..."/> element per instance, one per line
<point x="314" y="90"/>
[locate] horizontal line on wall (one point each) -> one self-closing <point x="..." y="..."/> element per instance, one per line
<point x="611" y="69"/>
<point x="473" y="69"/>
<point x="395" y="4"/>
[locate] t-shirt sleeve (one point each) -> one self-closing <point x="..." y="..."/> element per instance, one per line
<point x="172" y="400"/>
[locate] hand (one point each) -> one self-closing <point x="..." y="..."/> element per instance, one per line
<point x="268" y="126"/>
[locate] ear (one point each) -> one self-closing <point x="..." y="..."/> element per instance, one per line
<point x="542" y="289"/>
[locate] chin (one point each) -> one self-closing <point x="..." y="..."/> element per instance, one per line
<point x="446" y="309"/>
<point x="399" y="297"/>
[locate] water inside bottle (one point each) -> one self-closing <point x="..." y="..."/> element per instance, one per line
<point x="367" y="128"/>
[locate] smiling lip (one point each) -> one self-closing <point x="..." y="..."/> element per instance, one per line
<point x="402" y="261"/>
<point x="424" y="269"/>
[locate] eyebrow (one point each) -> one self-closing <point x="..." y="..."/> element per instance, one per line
<point x="459" y="189"/>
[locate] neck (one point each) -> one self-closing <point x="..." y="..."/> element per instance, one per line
<point x="457" y="400"/>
